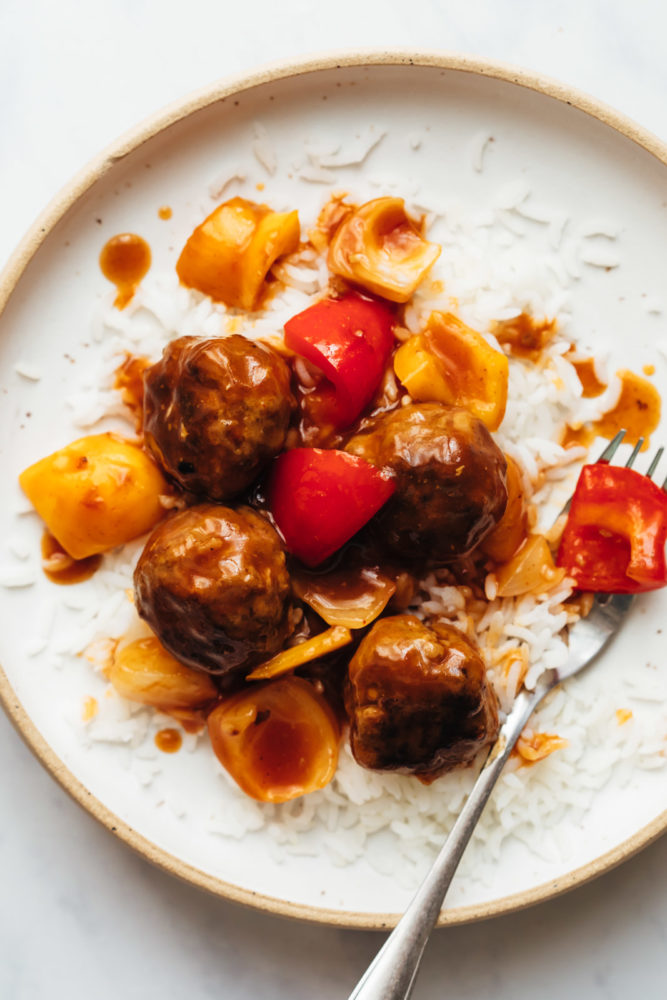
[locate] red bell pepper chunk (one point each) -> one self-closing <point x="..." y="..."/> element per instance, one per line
<point x="614" y="539"/>
<point x="321" y="498"/>
<point x="350" y="340"/>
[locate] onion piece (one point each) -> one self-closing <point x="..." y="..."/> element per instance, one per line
<point x="381" y="249"/>
<point x="278" y="741"/>
<point x="326" y="642"/>
<point x="144" y="671"/>
<point x="343" y="598"/>
<point x="531" y="570"/>
<point x="505" y="539"/>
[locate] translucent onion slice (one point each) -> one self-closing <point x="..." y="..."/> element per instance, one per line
<point x="326" y="642"/>
<point x="380" y="248"/>
<point x="512" y="529"/>
<point x="278" y="741"/>
<point x="144" y="671"/>
<point x="346" y="598"/>
<point x="531" y="570"/>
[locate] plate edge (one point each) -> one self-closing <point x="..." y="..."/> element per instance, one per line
<point x="167" y="862"/>
<point x="56" y="209"/>
<point x="225" y="87"/>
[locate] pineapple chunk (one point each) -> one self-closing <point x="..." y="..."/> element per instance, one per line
<point x="96" y="493"/>
<point x="229" y="255"/>
<point x="451" y="363"/>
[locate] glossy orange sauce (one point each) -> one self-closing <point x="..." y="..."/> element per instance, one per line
<point x="164" y="212"/>
<point x="346" y="596"/>
<point x="332" y="215"/>
<point x="129" y="378"/>
<point x="591" y="384"/>
<point x="168" y="740"/>
<point x="341" y="585"/>
<point x="60" y="567"/>
<point x="283" y="752"/>
<point x="637" y="411"/>
<point x="124" y="260"/>
<point x="316" y="429"/>
<point x="525" y="336"/>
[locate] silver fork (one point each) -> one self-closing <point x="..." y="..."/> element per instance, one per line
<point x="392" y="974"/>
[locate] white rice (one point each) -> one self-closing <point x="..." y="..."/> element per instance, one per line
<point x="482" y="285"/>
<point x="264" y="149"/>
<point x="28" y="370"/>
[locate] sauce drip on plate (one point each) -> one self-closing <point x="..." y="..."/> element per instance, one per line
<point x="168" y="740"/>
<point x="637" y="410"/>
<point x="124" y="260"/>
<point x="591" y="384"/>
<point x="60" y="567"/>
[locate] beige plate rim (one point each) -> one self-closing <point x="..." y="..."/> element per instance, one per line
<point x="9" y="278"/>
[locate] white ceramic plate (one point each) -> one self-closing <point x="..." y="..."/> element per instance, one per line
<point x="573" y="154"/>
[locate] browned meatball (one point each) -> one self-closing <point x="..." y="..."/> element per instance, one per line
<point x="216" y="411"/>
<point x="417" y="699"/>
<point x="450" y="479"/>
<point x="213" y="585"/>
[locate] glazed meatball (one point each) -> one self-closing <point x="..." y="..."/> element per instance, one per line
<point x="215" y="412"/>
<point x="417" y="699"/>
<point x="450" y="479"/>
<point x="213" y="585"/>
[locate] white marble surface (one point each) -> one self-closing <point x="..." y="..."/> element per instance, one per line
<point x="82" y="916"/>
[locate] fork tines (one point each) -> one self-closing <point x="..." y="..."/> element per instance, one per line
<point x="613" y="446"/>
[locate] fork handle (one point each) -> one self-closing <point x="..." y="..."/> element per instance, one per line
<point x="392" y="974"/>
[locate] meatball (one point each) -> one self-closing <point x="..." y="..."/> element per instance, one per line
<point x="213" y="585"/>
<point x="216" y="411"/>
<point x="450" y="479"/>
<point x="417" y="699"/>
